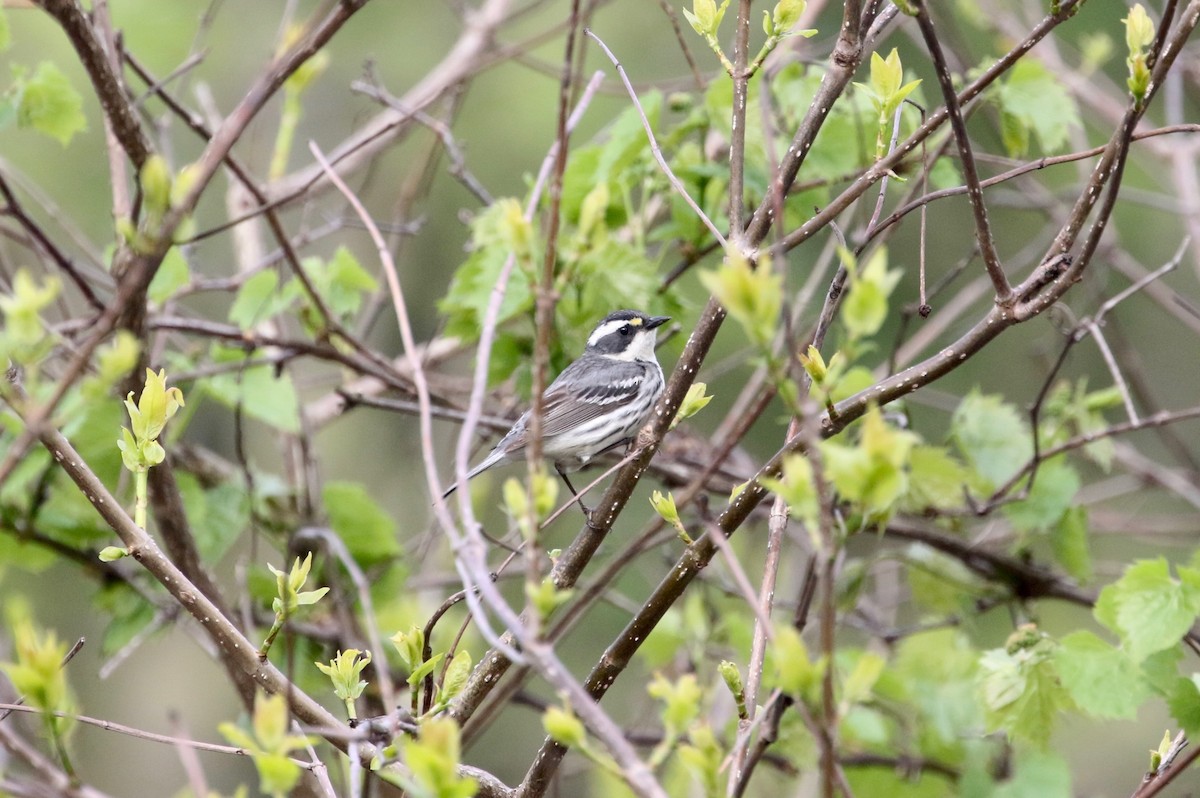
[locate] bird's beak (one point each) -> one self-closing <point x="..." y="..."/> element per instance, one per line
<point x="656" y="321"/>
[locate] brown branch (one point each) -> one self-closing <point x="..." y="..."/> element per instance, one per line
<point x="931" y="124"/>
<point x="1156" y="781"/>
<point x="461" y="60"/>
<point x="14" y="209"/>
<point x="110" y="88"/>
<point x="983" y="230"/>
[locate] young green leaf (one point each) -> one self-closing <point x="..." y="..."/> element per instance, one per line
<point x="563" y="727"/>
<point x="343" y="671"/>
<point x="751" y="296"/>
<point x="1034" y="101"/>
<point x="1103" y="681"/>
<point x="991" y="436"/>
<point x="270" y="745"/>
<point x="1148" y="609"/>
<point x="546" y="597"/>
<point x="733" y="681"/>
<point x="693" y="402"/>
<point x="368" y="532"/>
<point x="48" y="103"/>
<point x="1139" y="33"/>
<point x="794" y="672"/>
<point x="1021" y="687"/>
<point x="797" y="488"/>
<point x="23" y="328"/>
<point x="667" y="511"/>
<point x="456" y="676"/>
<point x="410" y="645"/>
<point x="680" y="699"/>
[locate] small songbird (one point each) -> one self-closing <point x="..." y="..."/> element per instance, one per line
<point x="598" y="402"/>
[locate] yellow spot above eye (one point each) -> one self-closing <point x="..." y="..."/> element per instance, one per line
<point x="636" y="322"/>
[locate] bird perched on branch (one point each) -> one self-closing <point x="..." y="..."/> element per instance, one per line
<point x="597" y="403"/>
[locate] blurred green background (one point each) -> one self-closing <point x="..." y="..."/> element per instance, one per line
<point x="506" y="124"/>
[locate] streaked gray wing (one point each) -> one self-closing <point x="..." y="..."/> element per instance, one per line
<point x="586" y="389"/>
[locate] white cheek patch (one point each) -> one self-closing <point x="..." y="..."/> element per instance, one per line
<point x="607" y="328"/>
<point x="642" y="348"/>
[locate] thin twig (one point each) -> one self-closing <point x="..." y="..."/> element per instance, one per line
<point x="676" y="183"/>
<point x="983" y="230"/>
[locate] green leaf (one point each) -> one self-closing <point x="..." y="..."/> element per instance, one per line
<point x="945" y="174"/>
<point x="991" y="436"/>
<point x="1053" y="489"/>
<point x="1184" y="703"/>
<point x="1069" y="540"/>
<point x="129" y="615"/>
<point x="864" y="310"/>
<point x="217" y="516"/>
<point x="866" y="307"/>
<point x="940" y="583"/>
<point x="794" y="672"/>
<point x="172" y="275"/>
<point x="752" y="297"/>
<point x="427" y="667"/>
<point x="681" y="701"/>
<point x="264" y="396"/>
<point x="258" y="300"/>
<point x="1037" y="101"/>
<point x="563" y="727"/>
<point x="456" y="675"/>
<point x="936" y="479"/>
<point x="1021" y="688"/>
<point x="23" y="326"/>
<point x="50" y="105"/>
<point x="277" y="774"/>
<point x="862" y="678"/>
<point x="938" y="672"/>
<point x="872" y="472"/>
<point x="1148" y="609"/>
<point x="1103" y="681"/>
<point x="796" y="487"/>
<point x="343" y="283"/>
<point x="465" y="303"/>
<point x="545" y="597"/>
<point x="1139" y="29"/>
<point x="368" y="532"/>
<point x="409" y="645"/>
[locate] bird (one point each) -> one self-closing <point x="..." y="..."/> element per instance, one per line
<point x="597" y="403"/>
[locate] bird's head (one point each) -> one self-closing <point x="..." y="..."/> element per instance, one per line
<point x="626" y="335"/>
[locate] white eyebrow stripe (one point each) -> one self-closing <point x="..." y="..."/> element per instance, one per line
<point x="607" y="328"/>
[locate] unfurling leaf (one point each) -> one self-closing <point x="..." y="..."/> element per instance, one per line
<point x="563" y="727"/>
<point x="752" y="296"/>
<point x="693" y="402"/>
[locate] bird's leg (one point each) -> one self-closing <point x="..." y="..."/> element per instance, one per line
<point x="586" y="512"/>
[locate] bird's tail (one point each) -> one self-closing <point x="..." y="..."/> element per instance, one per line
<point x="492" y="459"/>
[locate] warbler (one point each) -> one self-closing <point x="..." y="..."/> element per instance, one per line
<point x="597" y="403"/>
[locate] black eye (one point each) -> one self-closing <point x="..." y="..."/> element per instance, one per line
<point x="626" y="330"/>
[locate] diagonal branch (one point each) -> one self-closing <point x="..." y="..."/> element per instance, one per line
<point x="983" y="230"/>
<point x="110" y="89"/>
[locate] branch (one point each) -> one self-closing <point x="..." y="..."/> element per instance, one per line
<point x="675" y="182"/>
<point x="983" y="230"/>
<point x="369" y="140"/>
<point x="110" y="89"/>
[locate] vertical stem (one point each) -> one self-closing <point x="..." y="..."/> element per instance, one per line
<point x="829" y="718"/>
<point x="60" y="747"/>
<point x="142" y="492"/>
<point x="737" y="143"/>
<point x="546" y="298"/>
